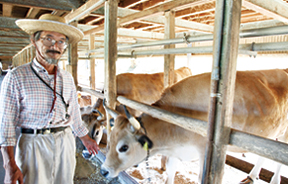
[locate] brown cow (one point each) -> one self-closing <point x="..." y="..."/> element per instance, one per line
<point x="145" y="88"/>
<point x="84" y="100"/>
<point x="260" y="96"/>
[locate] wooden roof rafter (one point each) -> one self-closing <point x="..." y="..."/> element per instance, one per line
<point x="7" y="10"/>
<point x="147" y="14"/>
<point x="203" y="8"/>
<point x="68" y="5"/>
<point x="84" y="10"/>
<point x="276" y="9"/>
<point x="32" y="12"/>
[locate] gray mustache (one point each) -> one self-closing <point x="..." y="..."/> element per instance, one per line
<point x="53" y="51"/>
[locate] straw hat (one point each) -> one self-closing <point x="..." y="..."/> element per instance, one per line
<point x="48" y="22"/>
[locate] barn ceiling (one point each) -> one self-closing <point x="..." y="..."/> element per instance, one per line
<point x="138" y="20"/>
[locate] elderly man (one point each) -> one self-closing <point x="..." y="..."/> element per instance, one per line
<point x="41" y="99"/>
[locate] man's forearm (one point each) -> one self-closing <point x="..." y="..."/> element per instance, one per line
<point x="8" y="155"/>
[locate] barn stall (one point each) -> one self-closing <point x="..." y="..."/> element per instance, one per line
<point x="182" y="27"/>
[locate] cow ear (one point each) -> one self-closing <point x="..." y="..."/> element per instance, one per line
<point x="144" y="139"/>
<point x="86" y="117"/>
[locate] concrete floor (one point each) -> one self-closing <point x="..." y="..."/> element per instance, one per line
<point x="2" y="170"/>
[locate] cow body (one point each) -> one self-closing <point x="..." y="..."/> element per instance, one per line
<point x="84" y="100"/>
<point x="145" y="88"/>
<point x="260" y="107"/>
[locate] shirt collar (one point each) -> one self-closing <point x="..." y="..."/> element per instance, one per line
<point x="38" y="67"/>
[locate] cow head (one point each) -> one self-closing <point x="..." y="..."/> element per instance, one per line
<point x="125" y="145"/>
<point x="91" y="120"/>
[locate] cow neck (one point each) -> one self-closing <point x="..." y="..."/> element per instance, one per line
<point x="55" y="93"/>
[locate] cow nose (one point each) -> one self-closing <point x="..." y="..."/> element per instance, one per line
<point x="104" y="172"/>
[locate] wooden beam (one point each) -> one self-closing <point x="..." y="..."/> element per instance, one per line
<point x="277" y="9"/>
<point x="14" y="40"/>
<point x="85" y="9"/>
<point x="122" y="13"/>
<point x="14" y="45"/>
<point x="8" y="22"/>
<point x="261" y="24"/>
<point x="154" y="11"/>
<point x="32" y="13"/>
<point x="94" y="20"/>
<point x="6" y="57"/>
<point x="225" y="53"/>
<point x="16" y="49"/>
<point x="129" y="3"/>
<point x="169" y="59"/>
<point x="110" y="55"/>
<point x="13" y="36"/>
<point x="7" y="10"/>
<point x="73" y="58"/>
<point x="52" y="5"/>
<point x="208" y="7"/>
<point x="139" y="34"/>
<point x="92" y="62"/>
<point x="123" y="32"/>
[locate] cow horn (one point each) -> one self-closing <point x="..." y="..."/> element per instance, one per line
<point x="112" y="112"/>
<point x="100" y="117"/>
<point x="132" y="120"/>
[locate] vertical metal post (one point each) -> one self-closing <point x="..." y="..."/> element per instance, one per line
<point x="169" y="59"/>
<point x="110" y="55"/>
<point x="225" y="51"/>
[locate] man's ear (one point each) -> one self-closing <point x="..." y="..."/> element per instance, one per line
<point x="32" y="38"/>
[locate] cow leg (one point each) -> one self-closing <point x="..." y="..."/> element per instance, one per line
<point x="254" y="172"/>
<point x="163" y="162"/>
<point x="171" y="166"/>
<point x="276" y="177"/>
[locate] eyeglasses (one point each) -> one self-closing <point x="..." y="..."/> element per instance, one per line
<point x="47" y="41"/>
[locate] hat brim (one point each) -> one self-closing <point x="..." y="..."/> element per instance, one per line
<point x="31" y="26"/>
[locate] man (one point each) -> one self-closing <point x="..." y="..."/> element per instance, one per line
<point x="41" y="99"/>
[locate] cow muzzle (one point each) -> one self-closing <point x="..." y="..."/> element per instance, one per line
<point x="106" y="173"/>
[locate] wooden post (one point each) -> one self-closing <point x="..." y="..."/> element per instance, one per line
<point x="92" y="67"/>
<point x="225" y="51"/>
<point x="169" y="59"/>
<point x="73" y="58"/>
<point x="110" y="55"/>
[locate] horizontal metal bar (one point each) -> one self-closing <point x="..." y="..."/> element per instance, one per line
<point x="243" y="49"/>
<point x="279" y="30"/>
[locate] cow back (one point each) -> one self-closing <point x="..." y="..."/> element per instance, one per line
<point x="260" y="101"/>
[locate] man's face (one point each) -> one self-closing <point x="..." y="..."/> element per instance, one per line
<point x="51" y="46"/>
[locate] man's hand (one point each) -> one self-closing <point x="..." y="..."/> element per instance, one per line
<point x="12" y="171"/>
<point x="90" y="144"/>
<point x="13" y="174"/>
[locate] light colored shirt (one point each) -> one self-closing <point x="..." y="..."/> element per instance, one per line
<point x="25" y="101"/>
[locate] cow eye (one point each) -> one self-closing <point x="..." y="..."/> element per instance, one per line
<point x="97" y="132"/>
<point x="123" y="148"/>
